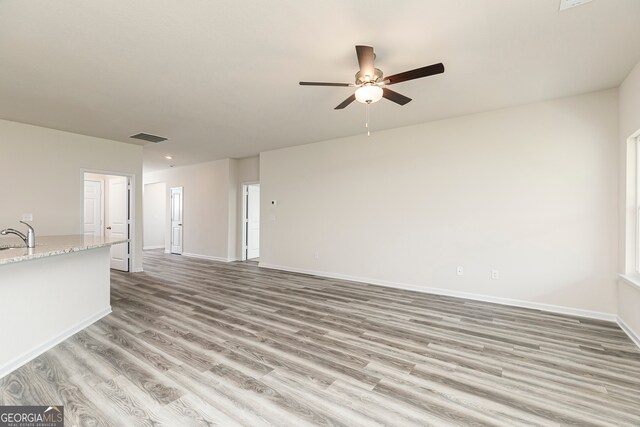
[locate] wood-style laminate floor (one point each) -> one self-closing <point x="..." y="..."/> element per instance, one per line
<point x="199" y="343"/>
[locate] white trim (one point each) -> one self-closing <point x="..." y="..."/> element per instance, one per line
<point x="630" y="332"/>
<point x="146" y="248"/>
<point x="439" y="291"/>
<point x="209" y="257"/>
<point x="14" y="364"/>
<point x="166" y="251"/>
<point x="631" y="280"/>
<point x="631" y="203"/>
<point x="137" y="270"/>
<point x="637" y="206"/>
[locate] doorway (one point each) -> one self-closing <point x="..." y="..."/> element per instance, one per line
<point x="106" y="212"/>
<point x="251" y="222"/>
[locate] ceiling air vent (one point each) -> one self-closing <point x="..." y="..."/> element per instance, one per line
<point x="568" y="4"/>
<point x="149" y="137"/>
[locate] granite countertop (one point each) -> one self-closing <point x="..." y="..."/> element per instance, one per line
<point x="51" y="245"/>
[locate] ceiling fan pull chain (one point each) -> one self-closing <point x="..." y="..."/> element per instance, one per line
<point x="366" y="118"/>
<point x="367" y="122"/>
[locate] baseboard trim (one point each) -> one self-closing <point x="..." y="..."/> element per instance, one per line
<point x="630" y="332"/>
<point x="147" y="248"/>
<point x="137" y="270"/>
<point x="209" y="257"/>
<point x="445" y="292"/>
<point x="14" y="364"/>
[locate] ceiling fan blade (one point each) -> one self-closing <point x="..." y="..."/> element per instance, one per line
<point x="395" y="96"/>
<point x="365" y="60"/>
<point x="346" y="102"/>
<point x="429" y="70"/>
<point x="324" y="84"/>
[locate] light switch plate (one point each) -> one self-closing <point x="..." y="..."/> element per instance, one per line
<point x="27" y="217"/>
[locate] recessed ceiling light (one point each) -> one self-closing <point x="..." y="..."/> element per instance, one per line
<point x="168" y="157"/>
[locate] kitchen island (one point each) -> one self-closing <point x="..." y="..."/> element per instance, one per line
<point x="50" y="292"/>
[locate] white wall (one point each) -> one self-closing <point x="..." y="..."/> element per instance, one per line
<point x="628" y="293"/>
<point x="155" y="204"/>
<point x="41" y="172"/>
<point x="206" y="206"/>
<point x="530" y="191"/>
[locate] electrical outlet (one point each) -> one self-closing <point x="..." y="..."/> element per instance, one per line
<point x="495" y="274"/>
<point x="460" y="271"/>
<point x="27" y="217"/>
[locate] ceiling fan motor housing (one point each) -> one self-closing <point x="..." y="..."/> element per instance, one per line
<point x="362" y="78"/>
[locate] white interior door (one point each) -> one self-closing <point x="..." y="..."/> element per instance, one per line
<point x="93" y="213"/>
<point x="176" y="220"/>
<point x="119" y="221"/>
<point x="253" y="221"/>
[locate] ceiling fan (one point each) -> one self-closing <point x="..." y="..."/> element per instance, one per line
<point x="370" y="81"/>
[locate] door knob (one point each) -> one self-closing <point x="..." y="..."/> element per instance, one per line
<point x="109" y="228"/>
<point x="180" y="225"/>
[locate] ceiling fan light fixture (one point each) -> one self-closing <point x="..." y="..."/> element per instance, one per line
<point x="369" y="94"/>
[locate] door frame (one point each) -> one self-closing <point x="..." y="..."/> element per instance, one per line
<point x="243" y="225"/>
<point x="132" y="208"/>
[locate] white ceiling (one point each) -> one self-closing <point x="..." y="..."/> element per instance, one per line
<point x="220" y="78"/>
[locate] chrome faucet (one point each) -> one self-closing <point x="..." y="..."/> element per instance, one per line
<point x="29" y="239"/>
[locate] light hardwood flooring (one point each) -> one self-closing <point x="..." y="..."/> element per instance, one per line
<point x="199" y="343"/>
